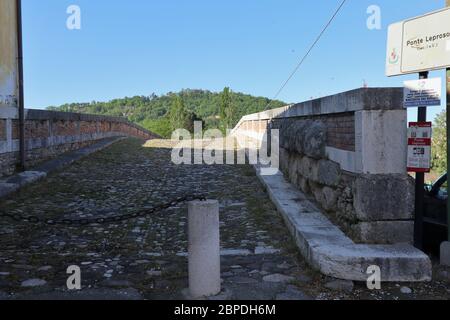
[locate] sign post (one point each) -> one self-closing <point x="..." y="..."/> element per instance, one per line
<point x="420" y="93"/>
<point x="420" y="45"/>
<point x="420" y="185"/>
<point x="419" y="161"/>
<point x="447" y="2"/>
<point x="448" y="146"/>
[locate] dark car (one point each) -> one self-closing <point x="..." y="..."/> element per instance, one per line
<point x="435" y="214"/>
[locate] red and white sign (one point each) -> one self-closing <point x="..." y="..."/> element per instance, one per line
<point x="419" y="146"/>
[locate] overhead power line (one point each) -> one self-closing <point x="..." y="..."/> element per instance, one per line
<point x="307" y="53"/>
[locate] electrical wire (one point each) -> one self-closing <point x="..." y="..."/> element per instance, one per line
<point x="307" y="53"/>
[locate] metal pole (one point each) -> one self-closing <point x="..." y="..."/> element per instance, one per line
<point x="21" y="102"/>
<point x="420" y="185"/>
<point x="448" y="143"/>
<point x="445" y="246"/>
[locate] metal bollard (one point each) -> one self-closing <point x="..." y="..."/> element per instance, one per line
<point x="204" y="249"/>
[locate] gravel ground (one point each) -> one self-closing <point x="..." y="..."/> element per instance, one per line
<point x="145" y="258"/>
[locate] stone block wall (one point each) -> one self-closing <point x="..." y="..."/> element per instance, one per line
<point x="49" y="134"/>
<point x="348" y="153"/>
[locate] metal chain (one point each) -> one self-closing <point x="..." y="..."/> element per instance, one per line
<point x="101" y="220"/>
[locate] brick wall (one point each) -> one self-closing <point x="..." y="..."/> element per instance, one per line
<point x="340" y="131"/>
<point x="49" y="134"/>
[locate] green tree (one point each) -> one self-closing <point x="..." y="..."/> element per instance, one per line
<point x="439" y="150"/>
<point x="227" y="109"/>
<point x="177" y="113"/>
<point x="180" y="117"/>
<point x="159" y="126"/>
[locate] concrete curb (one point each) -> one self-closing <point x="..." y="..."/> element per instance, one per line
<point x="15" y="183"/>
<point x="329" y="250"/>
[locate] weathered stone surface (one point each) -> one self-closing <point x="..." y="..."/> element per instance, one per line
<point x="86" y="295"/>
<point x="34" y="283"/>
<point x="154" y="273"/>
<point x="117" y="283"/>
<point x="329" y="197"/>
<point x="292" y="136"/>
<point x="384" y="197"/>
<point x="252" y="292"/>
<point x="45" y="268"/>
<point x="406" y="290"/>
<point x="381" y="141"/>
<point x="328" y="173"/>
<point x="384" y="232"/>
<point x="443" y="275"/>
<point x="303" y="185"/>
<point x="305" y="137"/>
<point x="284" y="138"/>
<point x="8" y="188"/>
<point x="278" y="278"/>
<point x="223" y="296"/>
<point x="345" y="207"/>
<point x="292" y="293"/>
<point x="308" y="168"/>
<point x="341" y="285"/>
<point x="28" y="177"/>
<point x="398" y="263"/>
<point x="294" y="162"/>
<point x="235" y="252"/>
<point x="325" y="196"/>
<point x="284" y="159"/>
<point x="242" y="280"/>
<point x="4" y="296"/>
<point x="315" y="140"/>
<point x="382" y="98"/>
<point x="264" y="250"/>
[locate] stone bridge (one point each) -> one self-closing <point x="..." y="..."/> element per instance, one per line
<point x="307" y="239"/>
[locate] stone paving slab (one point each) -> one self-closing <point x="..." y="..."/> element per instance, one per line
<point x="146" y="258"/>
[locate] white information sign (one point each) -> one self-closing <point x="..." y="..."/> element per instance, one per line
<point x="419" y="44"/>
<point x="422" y="93"/>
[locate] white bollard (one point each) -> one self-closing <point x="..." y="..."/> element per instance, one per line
<point x="204" y="249"/>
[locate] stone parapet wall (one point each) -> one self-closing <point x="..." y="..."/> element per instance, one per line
<point x="348" y="153"/>
<point x="50" y="133"/>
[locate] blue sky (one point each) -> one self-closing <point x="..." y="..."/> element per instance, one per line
<point x="138" y="47"/>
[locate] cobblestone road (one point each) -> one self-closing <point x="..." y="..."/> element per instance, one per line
<point x="145" y="258"/>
